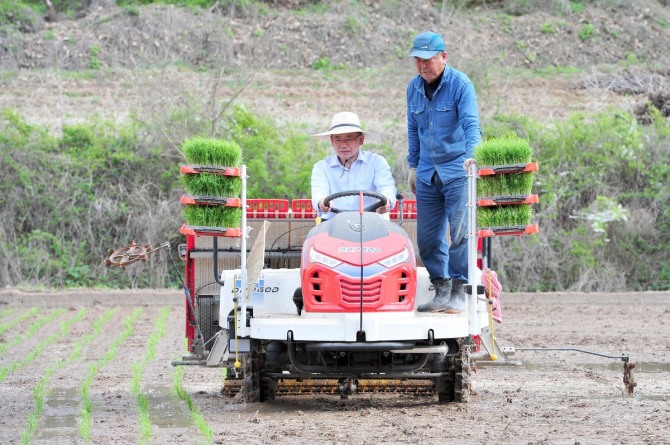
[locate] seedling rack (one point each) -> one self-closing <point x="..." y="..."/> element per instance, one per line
<point x="518" y="200"/>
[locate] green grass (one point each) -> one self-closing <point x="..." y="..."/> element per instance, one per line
<point x="504" y="216"/>
<point x="207" y="151"/>
<point x="587" y="31"/>
<point x="213" y="216"/>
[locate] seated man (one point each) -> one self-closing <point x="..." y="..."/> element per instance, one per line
<point x="349" y="168"/>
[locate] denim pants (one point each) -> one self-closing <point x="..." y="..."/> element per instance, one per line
<point x="440" y="204"/>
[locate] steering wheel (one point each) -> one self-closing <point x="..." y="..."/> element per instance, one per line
<point x="381" y="200"/>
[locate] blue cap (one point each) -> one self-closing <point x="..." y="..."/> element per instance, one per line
<point x="426" y="45"/>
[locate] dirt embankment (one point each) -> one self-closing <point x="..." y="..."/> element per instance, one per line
<point x="361" y="34"/>
<point x="287" y="64"/>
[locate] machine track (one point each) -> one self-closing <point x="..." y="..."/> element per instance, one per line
<point x="317" y="386"/>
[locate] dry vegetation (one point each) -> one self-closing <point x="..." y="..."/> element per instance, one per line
<point x="176" y="71"/>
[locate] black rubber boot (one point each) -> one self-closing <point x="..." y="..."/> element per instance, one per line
<point x="456" y="304"/>
<point x="442" y="295"/>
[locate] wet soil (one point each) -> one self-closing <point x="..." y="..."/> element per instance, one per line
<point x="548" y="397"/>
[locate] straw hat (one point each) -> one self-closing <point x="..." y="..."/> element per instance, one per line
<point x="347" y="122"/>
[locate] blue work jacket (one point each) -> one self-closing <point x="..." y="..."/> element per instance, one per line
<point x="442" y="133"/>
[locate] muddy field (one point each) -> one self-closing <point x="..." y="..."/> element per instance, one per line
<point x="99" y="362"/>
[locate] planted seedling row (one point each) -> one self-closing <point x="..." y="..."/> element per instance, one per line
<point x="144" y="419"/>
<point x="4" y="327"/>
<point x="32" y="329"/>
<point x="65" y="327"/>
<point x="41" y="387"/>
<point x="194" y="411"/>
<point x="7" y="311"/>
<point x="85" y="422"/>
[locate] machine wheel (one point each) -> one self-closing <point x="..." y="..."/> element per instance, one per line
<point x="207" y="316"/>
<point x="257" y="386"/>
<point x="455" y="383"/>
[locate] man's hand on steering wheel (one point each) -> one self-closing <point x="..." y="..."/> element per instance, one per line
<point x="322" y="207"/>
<point x="385" y="208"/>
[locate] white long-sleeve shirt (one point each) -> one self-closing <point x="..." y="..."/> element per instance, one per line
<point x="370" y="172"/>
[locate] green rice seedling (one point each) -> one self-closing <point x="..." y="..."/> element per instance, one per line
<point x="509" y="149"/>
<point x="40" y="389"/>
<point x="138" y="372"/>
<point x="15" y="321"/>
<point x="85" y="422"/>
<point x="32" y="329"/>
<point x="145" y="420"/>
<point x="137" y="378"/>
<point x="209" y="184"/>
<point x="65" y="327"/>
<point x="196" y="415"/>
<point x="7" y="311"/>
<point x="504" y="216"/>
<point x="207" y="151"/>
<point x="213" y="216"/>
<point x="509" y="184"/>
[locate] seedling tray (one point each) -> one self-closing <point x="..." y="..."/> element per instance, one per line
<point x="507" y="200"/>
<point x="211" y="201"/>
<point x="194" y="169"/>
<point x="508" y="230"/>
<point x="509" y="168"/>
<point x="232" y="232"/>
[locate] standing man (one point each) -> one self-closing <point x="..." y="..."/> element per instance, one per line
<point x="443" y="129"/>
<point x="350" y="168"/>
